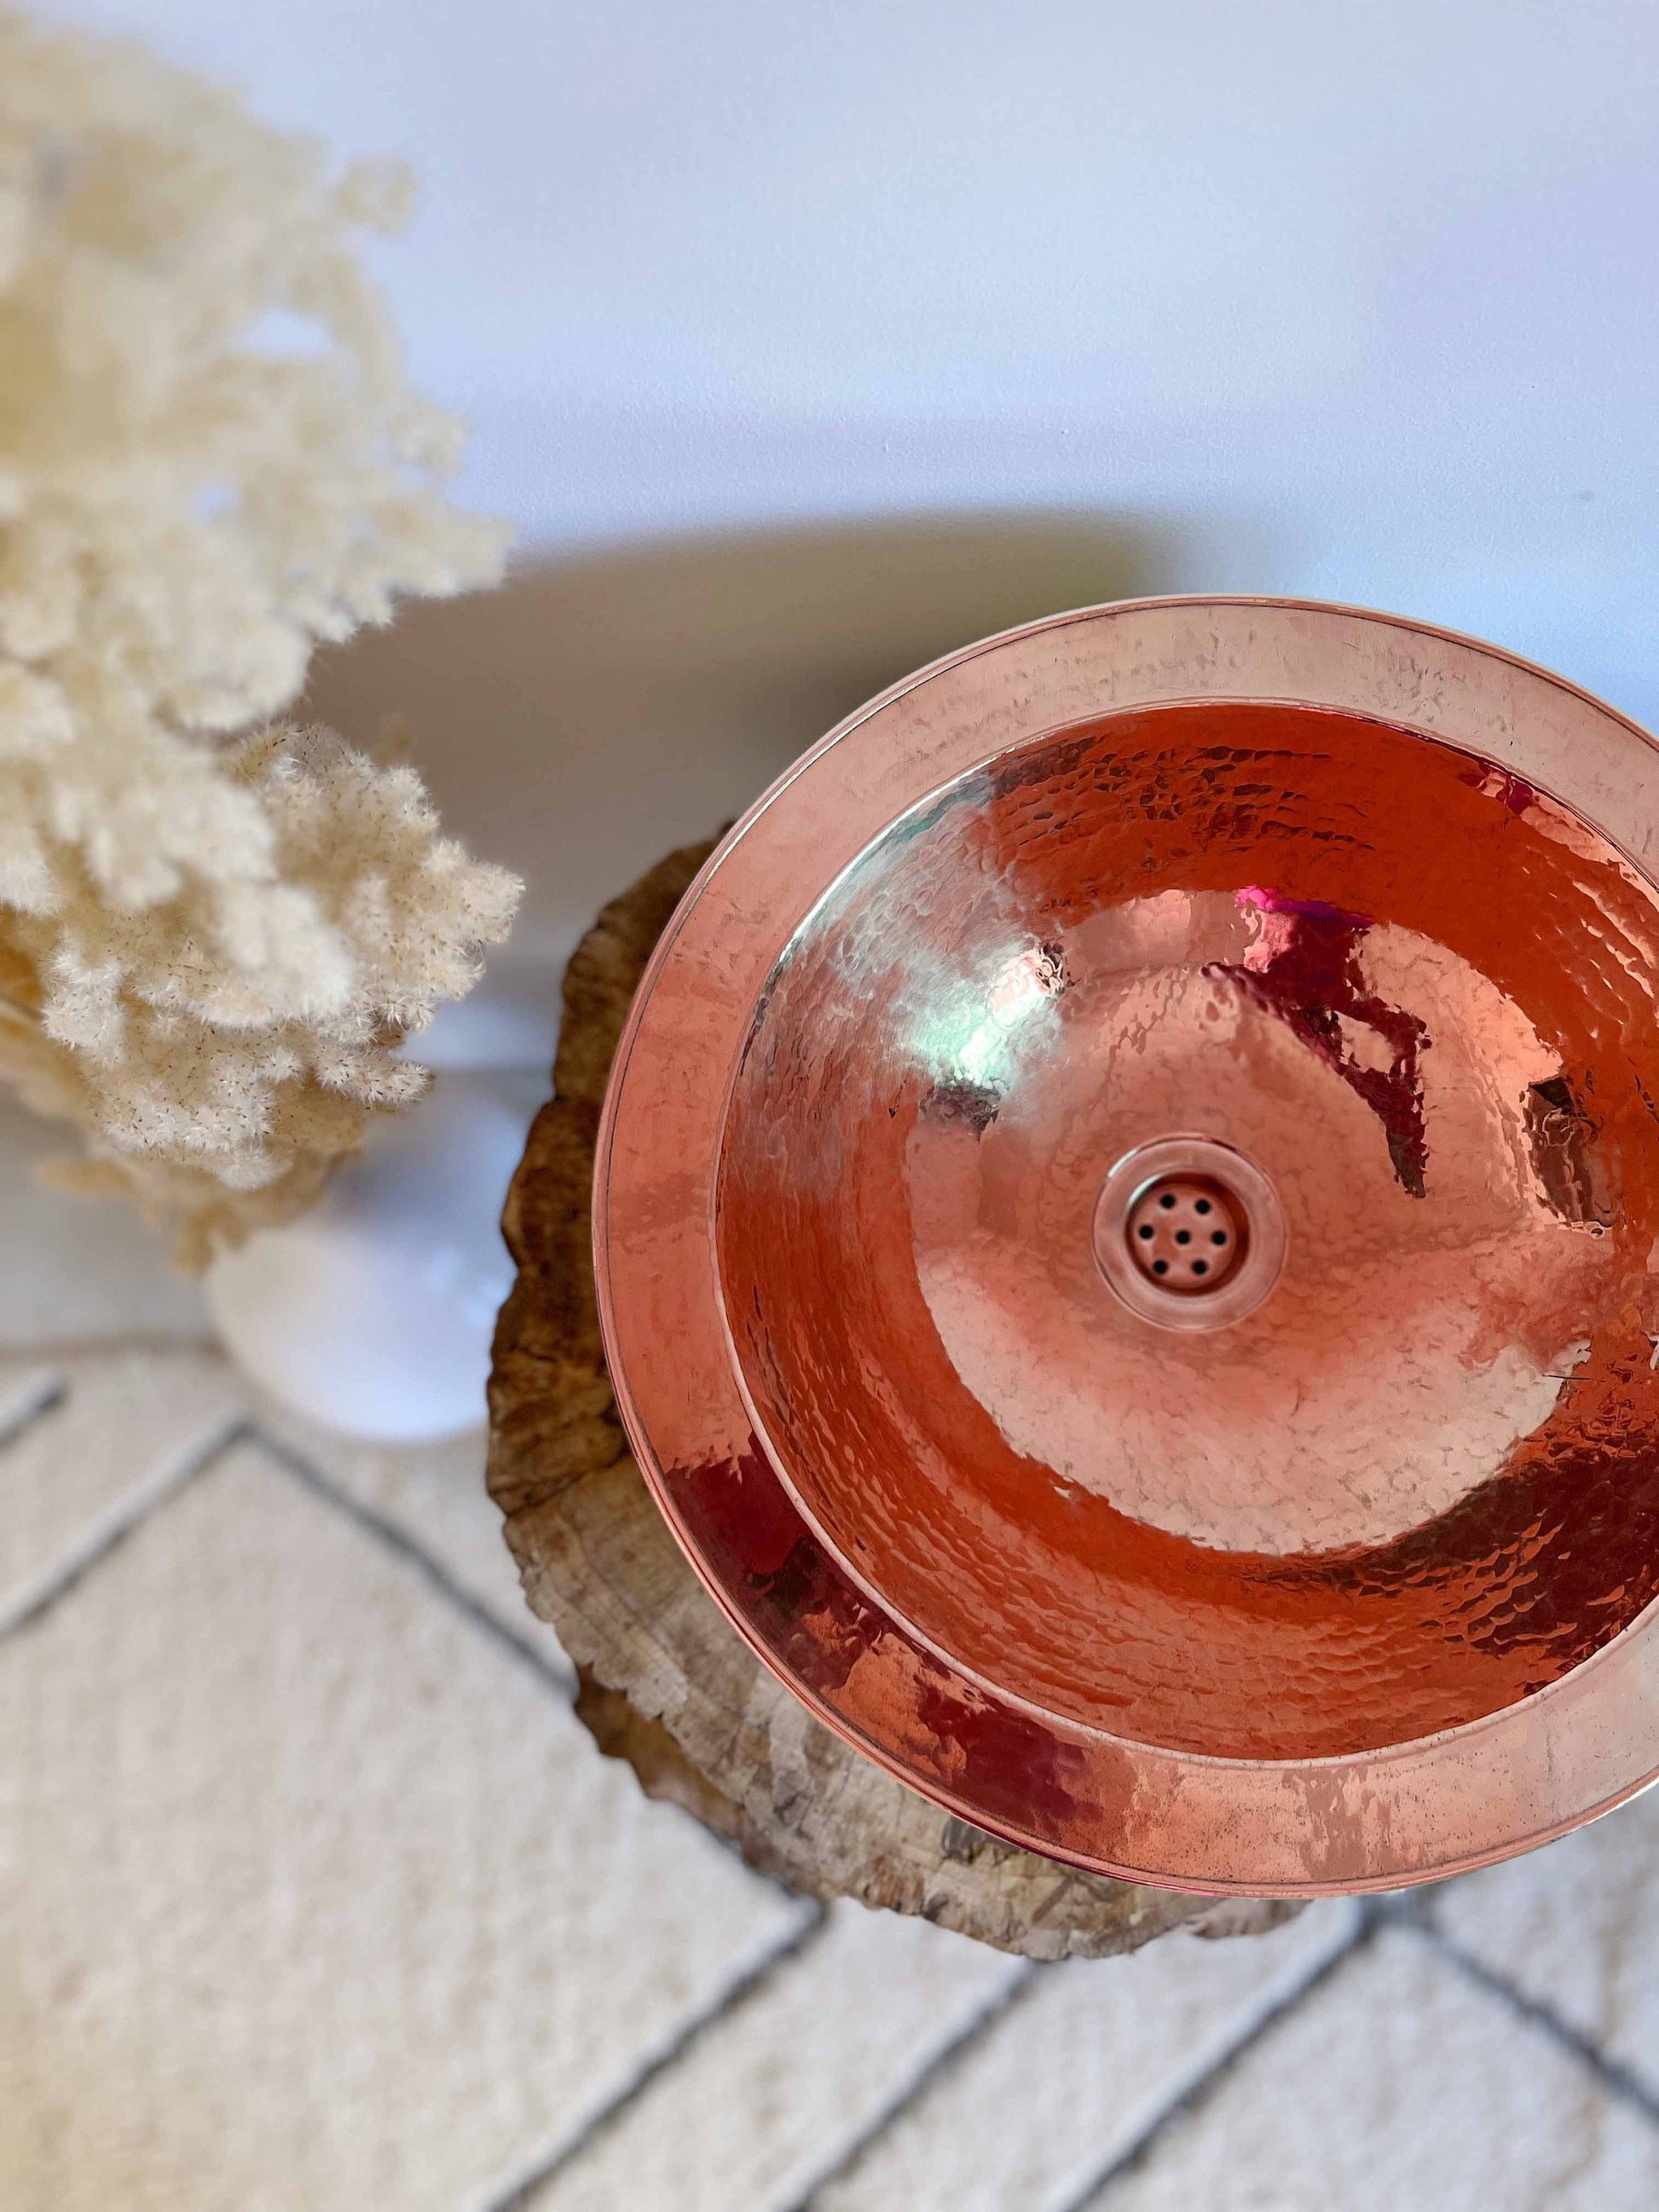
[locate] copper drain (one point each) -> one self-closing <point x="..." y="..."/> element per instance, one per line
<point x="1189" y="1233"/>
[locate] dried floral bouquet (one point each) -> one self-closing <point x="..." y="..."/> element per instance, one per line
<point x="215" y="927"/>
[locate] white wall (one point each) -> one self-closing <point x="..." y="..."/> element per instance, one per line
<point x="1360" y="300"/>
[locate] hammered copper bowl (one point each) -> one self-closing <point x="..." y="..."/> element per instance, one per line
<point x="1124" y="1227"/>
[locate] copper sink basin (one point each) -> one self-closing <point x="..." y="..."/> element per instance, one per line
<point x="1125" y="1223"/>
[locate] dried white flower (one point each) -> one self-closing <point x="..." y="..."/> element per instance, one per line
<point x="209" y="460"/>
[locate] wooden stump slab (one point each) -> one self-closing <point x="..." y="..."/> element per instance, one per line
<point x="665" y="1682"/>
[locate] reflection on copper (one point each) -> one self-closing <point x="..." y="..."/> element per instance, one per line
<point x="1305" y="966"/>
<point x="1102" y="1585"/>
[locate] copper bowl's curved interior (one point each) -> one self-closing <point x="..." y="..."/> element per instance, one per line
<point x="1416" y="1483"/>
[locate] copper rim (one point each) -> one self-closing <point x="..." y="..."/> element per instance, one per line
<point x="1372" y="1819"/>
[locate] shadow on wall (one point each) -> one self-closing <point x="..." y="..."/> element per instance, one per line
<point x="600" y="709"/>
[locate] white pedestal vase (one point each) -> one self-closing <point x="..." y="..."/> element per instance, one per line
<point x="372" y="1314"/>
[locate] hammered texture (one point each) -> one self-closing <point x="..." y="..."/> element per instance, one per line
<point x="1421" y="1481"/>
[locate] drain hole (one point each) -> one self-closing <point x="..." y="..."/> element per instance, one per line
<point x="1183" y="1234"/>
<point x="1179" y="1248"/>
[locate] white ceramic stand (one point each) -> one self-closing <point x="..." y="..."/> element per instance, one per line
<point x="372" y="1314"/>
